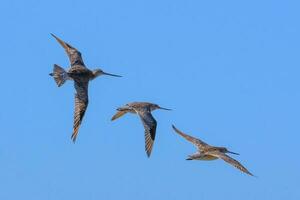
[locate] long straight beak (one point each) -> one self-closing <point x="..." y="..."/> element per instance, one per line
<point x="233" y="153"/>
<point x="164" y="108"/>
<point x="111" y="74"/>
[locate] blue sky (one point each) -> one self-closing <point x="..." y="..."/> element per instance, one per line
<point x="228" y="69"/>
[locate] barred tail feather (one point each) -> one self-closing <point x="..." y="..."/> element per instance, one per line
<point x="59" y="74"/>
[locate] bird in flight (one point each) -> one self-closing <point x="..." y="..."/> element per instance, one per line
<point x="143" y="109"/>
<point x="81" y="76"/>
<point x="207" y="152"/>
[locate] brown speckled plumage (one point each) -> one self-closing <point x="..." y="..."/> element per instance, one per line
<point x="81" y="76"/>
<point x="143" y="109"/>
<point x="207" y="152"/>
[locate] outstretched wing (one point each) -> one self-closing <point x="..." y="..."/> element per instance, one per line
<point x="198" y="143"/>
<point x="150" y="129"/>
<point x="81" y="103"/>
<point x="73" y="54"/>
<point x="231" y="161"/>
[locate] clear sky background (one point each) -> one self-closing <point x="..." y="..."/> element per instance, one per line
<point x="229" y="70"/>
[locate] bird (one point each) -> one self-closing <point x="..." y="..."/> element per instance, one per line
<point x="81" y="76"/>
<point x="208" y="152"/>
<point x="143" y="110"/>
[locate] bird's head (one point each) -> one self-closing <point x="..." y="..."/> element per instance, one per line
<point x="99" y="72"/>
<point x="155" y="106"/>
<point x="225" y="150"/>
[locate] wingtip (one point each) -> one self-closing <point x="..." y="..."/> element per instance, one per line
<point x="113" y="118"/>
<point x="59" y="40"/>
<point x="73" y="138"/>
<point x="148" y="154"/>
<point x="174" y="128"/>
<point x="249" y="173"/>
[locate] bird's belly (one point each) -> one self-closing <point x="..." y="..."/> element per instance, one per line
<point x="207" y="157"/>
<point x="79" y="71"/>
<point x="79" y="76"/>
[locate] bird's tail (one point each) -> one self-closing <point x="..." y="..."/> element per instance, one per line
<point x="59" y="74"/>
